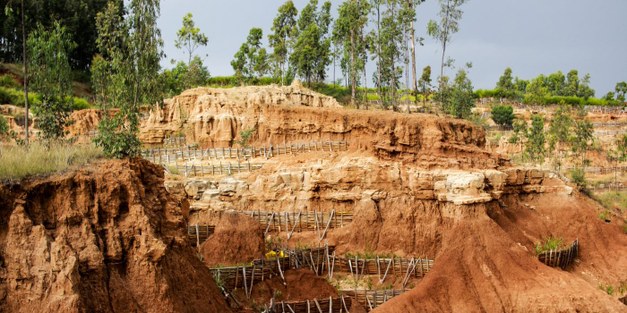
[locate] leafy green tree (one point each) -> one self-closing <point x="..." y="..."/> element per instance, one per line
<point x="312" y="48"/>
<point x="621" y="90"/>
<point x="505" y="85"/>
<point x="189" y="37"/>
<point x="618" y="154"/>
<point x="132" y="47"/>
<point x="51" y="77"/>
<point x="560" y="128"/>
<point x="349" y="36"/>
<point x="425" y="83"/>
<point x="535" y="139"/>
<point x="410" y="8"/>
<point x="450" y="15"/>
<point x="582" y="139"/>
<point x="251" y="60"/>
<point x="183" y="77"/>
<point x="76" y="16"/>
<point x="519" y="130"/>
<point x="503" y="115"/>
<point x="458" y="99"/>
<point x="388" y="45"/>
<point x="283" y="32"/>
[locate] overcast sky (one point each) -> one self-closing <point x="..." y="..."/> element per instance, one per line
<point x="531" y="37"/>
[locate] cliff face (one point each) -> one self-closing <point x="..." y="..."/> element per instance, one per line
<point x="215" y="118"/>
<point x="106" y="238"/>
<point x="480" y="225"/>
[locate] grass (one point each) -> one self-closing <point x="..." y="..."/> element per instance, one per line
<point x="551" y="243"/>
<point x="613" y="199"/>
<point x="17" y="162"/>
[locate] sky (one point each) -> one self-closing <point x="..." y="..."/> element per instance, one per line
<point x="532" y="37"/>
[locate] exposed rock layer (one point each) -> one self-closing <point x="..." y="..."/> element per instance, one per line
<point x="101" y="239"/>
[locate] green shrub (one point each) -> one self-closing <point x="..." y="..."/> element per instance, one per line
<point x="5" y="96"/>
<point x="578" y="175"/>
<point x="551" y="243"/>
<point x="80" y="104"/>
<point x="503" y="115"/>
<point x="4" y="126"/>
<point x="605" y="215"/>
<point x="9" y="82"/>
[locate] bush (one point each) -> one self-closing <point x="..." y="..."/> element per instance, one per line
<point x="4" y="126"/>
<point x="21" y="161"/>
<point x="503" y="115"/>
<point x="80" y="104"/>
<point x="8" y="82"/>
<point x="578" y="175"/>
<point x="551" y="243"/>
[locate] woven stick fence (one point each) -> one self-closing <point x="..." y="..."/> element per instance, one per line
<point x="217" y="169"/>
<point x="168" y="155"/>
<point x="340" y="304"/>
<point x="199" y="233"/>
<point x="371" y="299"/>
<point x="560" y="257"/>
<point x="245" y="276"/>
<point x="174" y="141"/>
<point x="291" y="222"/>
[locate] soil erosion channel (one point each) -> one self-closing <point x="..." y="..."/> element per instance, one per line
<point x="279" y="199"/>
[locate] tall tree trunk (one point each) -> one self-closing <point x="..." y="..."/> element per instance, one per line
<point x="353" y="71"/>
<point x="380" y="90"/>
<point x="412" y="33"/>
<point x="25" y="61"/>
<point x="444" y="39"/>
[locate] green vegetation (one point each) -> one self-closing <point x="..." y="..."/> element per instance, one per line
<point x="189" y="37"/>
<point x="128" y="71"/>
<point x="457" y="99"/>
<point x="349" y="37"/>
<point x="550" y="89"/>
<point x="609" y="289"/>
<point x="605" y="215"/>
<point x="281" y="38"/>
<point x="534" y="148"/>
<point x="311" y="50"/>
<point x="17" y="162"/>
<point x="251" y="61"/>
<point x="551" y="243"/>
<point x="245" y="136"/>
<point x="76" y="16"/>
<point x="4" y="127"/>
<point x="578" y="176"/>
<point x="450" y="15"/>
<point x="51" y="77"/>
<point x="503" y="115"/>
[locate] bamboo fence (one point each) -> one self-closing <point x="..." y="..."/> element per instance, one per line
<point x="560" y="257"/>
<point x="371" y="299"/>
<point x="291" y="222"/>
<point x="341" y="304"/>
<point x="169" y="155"/>
<point x="199" y="233"/>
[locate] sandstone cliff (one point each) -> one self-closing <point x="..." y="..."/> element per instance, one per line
<point x="106" y="238"/>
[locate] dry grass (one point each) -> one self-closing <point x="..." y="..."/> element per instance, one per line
<point x="17" y="162"/>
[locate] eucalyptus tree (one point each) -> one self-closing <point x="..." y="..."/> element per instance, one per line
<point x="251" y="60"/>
<point x="283" y="32"/>
<point x="189" y="37"/>
<point x="312" y="48"/>
<point x="51" y="76"/>
<point x="131" y="50"/>
<point x="450" y="15"/>
<point x="349" y="36"/>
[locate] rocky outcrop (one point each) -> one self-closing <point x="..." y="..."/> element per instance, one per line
<point x="106" y="238"/>
<point x="275" y="115"/>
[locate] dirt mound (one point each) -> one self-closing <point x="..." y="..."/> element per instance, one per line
<point x="487" y="262"/>
<point x="236" y="240"/>
<point x="302" y="284"/>
<point x="105" y="238"/>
